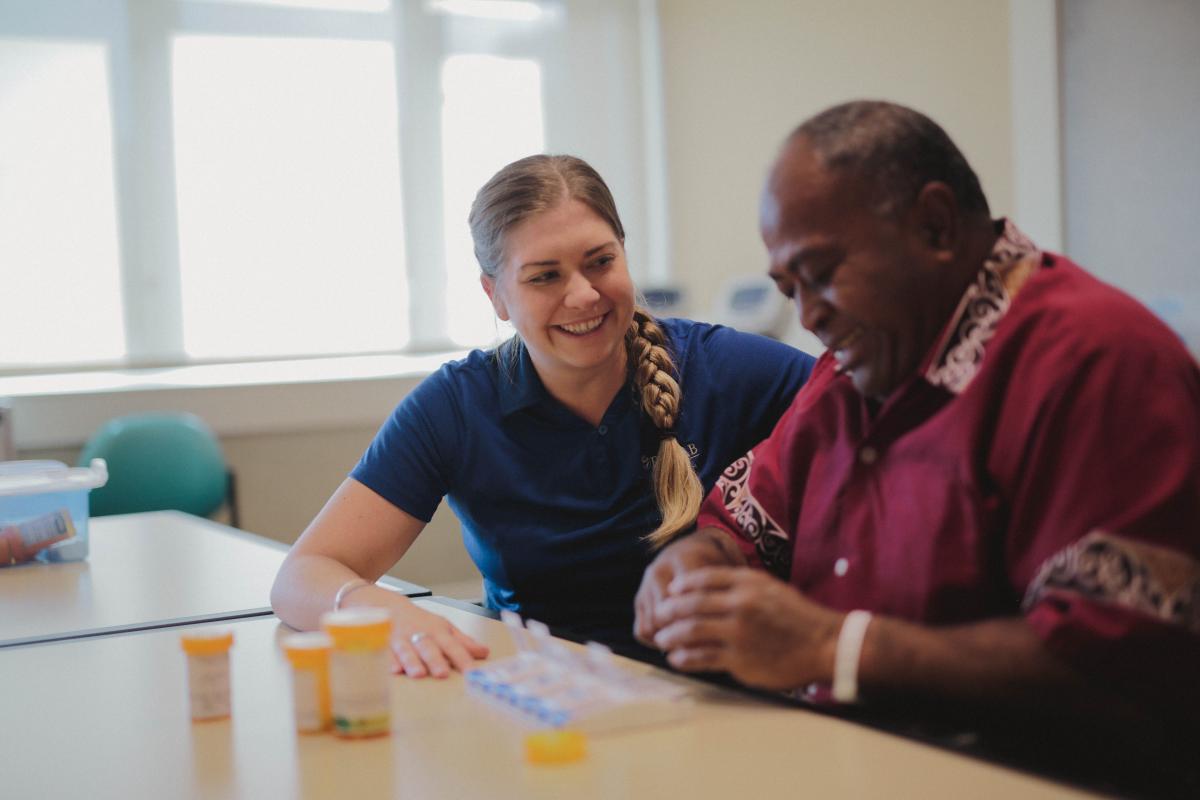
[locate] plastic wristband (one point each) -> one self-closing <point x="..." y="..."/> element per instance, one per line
<point x="348" y="587"/>
<point x="849" y="650"/>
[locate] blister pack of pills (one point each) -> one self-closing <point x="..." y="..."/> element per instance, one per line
<point x="552" y="685"/>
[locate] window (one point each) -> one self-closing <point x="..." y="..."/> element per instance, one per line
<point x="194" y="181"/>
<point x="58" y="238"/>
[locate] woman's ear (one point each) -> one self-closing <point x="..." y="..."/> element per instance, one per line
<point x="490" y="289"/>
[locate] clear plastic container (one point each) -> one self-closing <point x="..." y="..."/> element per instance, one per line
<point x="33" y="490"/>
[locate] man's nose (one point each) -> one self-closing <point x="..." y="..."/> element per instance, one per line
<point x="814" y="311"/>
<point x="580" y="292"/>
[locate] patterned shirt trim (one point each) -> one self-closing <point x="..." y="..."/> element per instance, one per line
<point x="1153" y="580"/>
<point x="960" y="352"/>
<point x="769" y="538"/>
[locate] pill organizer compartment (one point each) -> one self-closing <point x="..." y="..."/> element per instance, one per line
<point x="548" y="684"/>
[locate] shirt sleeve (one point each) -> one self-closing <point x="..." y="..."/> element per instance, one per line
<point x="410" y="462"/>
<point x="758" y="378"/>
<point x="1098" y="445"/>
<point x="750" y="500"/>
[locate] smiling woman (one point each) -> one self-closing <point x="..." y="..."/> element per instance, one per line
<point x="569" y="453"/>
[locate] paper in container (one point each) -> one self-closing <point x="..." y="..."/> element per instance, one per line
<point x="44" y="510"/>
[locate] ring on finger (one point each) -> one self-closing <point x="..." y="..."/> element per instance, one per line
<point x="417" y="637"/>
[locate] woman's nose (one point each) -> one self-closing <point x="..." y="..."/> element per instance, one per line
<point x="580" y="292"/>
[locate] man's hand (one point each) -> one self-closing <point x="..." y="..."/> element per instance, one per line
<point x="748" y="623"/>
<point x="704" y="548"/>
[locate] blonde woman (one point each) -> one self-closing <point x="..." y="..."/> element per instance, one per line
<point x="569" y="454"/>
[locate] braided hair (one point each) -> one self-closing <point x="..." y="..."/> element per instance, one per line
<point x="677" y="489"/>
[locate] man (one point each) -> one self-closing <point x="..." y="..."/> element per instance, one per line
<point x="995" y="466"/>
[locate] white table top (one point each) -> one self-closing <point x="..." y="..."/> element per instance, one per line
<point x="144" y="570"/>
<point x="108" y="717"/>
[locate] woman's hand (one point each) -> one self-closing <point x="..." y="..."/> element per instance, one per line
<point x="426" y="644"/>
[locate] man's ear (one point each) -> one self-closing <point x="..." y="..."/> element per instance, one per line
<point x="489" y="288"/>
<point x="937" y="218"/>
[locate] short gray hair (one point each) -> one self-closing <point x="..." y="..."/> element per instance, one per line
<point x="895" y="149"/>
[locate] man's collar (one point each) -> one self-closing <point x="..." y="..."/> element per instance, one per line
<point x="954" y="360"/>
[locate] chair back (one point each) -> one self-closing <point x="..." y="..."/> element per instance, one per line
<point x="158" y="461"/>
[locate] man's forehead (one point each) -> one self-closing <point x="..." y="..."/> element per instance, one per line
<point x="801" y="187"/>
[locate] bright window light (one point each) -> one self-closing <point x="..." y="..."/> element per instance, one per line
<point x="491" y="115"/>
<point x="328" y="5"/>
<point x="288" y="180"/>
<point x="514" y="10"/>
<point x="59" y="270"/>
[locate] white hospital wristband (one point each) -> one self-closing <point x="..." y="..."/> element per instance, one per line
<point x="845" y="661"/>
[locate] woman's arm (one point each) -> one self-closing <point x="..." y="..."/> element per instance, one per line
<point x="358" y="534"/>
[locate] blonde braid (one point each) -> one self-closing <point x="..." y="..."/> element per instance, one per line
<point x="677" y="489"/>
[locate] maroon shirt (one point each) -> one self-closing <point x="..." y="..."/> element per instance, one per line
<point x="1045" y="461"/>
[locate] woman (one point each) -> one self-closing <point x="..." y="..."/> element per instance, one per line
<point x="568" y="454"/>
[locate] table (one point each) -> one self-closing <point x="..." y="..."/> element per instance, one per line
<point x="145" y="571"/>
<point x="108" y="717"/>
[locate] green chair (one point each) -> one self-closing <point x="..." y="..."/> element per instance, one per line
<point x="160" y="461"/>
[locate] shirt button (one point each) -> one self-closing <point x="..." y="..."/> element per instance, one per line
<point x="868" y="455"/>
<point x="603" y="429"/>
<point x="840" y="567"/>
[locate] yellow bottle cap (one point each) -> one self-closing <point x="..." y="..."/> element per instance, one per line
<point x="555" y="747"/>
<point x="206" y="642"/>
<point x="358" y="628"/>
<point x="307" y="650"/>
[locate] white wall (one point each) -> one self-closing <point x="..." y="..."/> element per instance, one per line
<point x="738" y="77"/>
<point x="1131" y="124"/>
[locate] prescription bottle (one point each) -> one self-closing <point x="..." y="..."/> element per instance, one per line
<point x="207" y="652"/>
<point x="360" y="671"/>
<point x="308" y="654"/>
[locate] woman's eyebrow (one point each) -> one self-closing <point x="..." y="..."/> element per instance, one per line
<point x="599" y="247"/>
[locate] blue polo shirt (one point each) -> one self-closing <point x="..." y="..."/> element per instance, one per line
<point x="553" y="508"/>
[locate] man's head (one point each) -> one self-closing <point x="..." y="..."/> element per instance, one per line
<point x="875" y="224"/>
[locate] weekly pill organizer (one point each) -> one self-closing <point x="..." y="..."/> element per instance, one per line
<point x="548" y="684"/>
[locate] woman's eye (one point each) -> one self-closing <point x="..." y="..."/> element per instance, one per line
<point x="604" y="261"/>
<point x="543" y="277"/>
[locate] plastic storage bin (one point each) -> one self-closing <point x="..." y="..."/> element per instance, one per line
<point x="33" y="489"/>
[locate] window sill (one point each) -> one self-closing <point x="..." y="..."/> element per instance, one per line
<point x="63" y="410"/>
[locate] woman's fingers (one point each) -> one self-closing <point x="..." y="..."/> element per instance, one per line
<point x="476" y="649"/>
<point x="436" y="652"/>
<point x="410" y="662"/>
<point x="430" y="649"/>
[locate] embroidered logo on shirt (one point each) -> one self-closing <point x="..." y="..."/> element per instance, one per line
<point x="1153" y="580"/>
<point x="690" y="448"/>
<point x="755" y="525"/>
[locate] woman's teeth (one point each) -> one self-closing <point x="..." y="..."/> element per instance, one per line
<point x="580" y="328"/>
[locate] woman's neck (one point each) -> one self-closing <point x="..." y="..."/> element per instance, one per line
<point x="587" y="394"/>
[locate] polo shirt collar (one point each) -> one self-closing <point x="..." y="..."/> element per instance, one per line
<point x="520" y="386"/>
